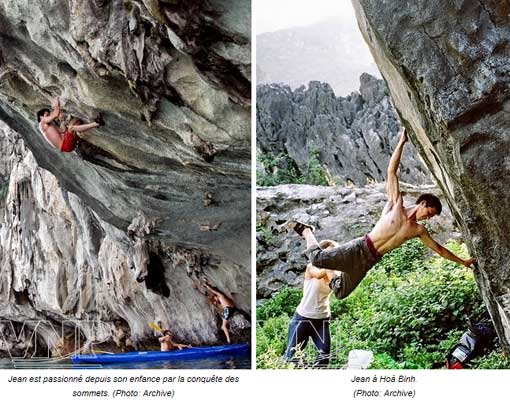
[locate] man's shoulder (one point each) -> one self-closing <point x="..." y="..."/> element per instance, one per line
<point x="420" y="229"/>
<point x="45" y="126"/>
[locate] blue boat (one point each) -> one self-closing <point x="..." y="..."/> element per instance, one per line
<point x="142" y="356"/>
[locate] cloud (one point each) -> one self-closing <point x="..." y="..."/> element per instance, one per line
<point x="272" y="15"/>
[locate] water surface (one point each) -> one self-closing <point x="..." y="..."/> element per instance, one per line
<point x="224" y="361"/>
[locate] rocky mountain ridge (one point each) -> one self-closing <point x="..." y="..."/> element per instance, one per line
<point x="354" y="136"/>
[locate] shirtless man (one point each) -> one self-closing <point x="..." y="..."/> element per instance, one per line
<point x="167" y="343"/>
<point x="64" y="140"/>
<point x="396" y="225"/>
<point x="228" y="308"/>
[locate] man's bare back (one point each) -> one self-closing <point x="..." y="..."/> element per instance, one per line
<point x="221" y="299"/>
<point x="53" y="134"/>
<point x="227" y="306"/>
<point x="63" y="139"/>
<point x="49" y="130"/>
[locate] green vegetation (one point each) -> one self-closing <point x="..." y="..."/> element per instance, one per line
<point x="267" y="235"/>
<point x="282" y="169"/>
<point x="315" y="173"/>
<point x="410" y="311"/>
<point x="279" y="169"/>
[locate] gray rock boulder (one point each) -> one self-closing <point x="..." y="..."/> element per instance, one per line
<point x="446" y="66"/>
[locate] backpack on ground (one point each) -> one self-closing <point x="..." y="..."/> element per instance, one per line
<point x="473" y="343"/>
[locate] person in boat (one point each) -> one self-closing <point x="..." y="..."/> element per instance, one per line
<point x="396" y="225"/>
<point x="168" y="344"/>
<point x="64" y="139"/>
<point x="227" y="306"/>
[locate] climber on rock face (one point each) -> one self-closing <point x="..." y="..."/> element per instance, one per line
<point x="396" y="225"/>
<point x="63" y="139"/>
<point x="226" y="303"/>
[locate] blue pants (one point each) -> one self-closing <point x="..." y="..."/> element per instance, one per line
<point x="300" y="330"/>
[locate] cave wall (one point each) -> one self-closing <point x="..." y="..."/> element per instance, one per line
<point x="172" y="80"/>
<point x="61" y="264"/>
<point x="446" y="66"/>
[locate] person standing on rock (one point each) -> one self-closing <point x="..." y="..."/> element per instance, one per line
<point x="227" y="304"/>
<point x="63" y="139"/>
<point x="396" y="225"/>
<point x="312" y="316"/>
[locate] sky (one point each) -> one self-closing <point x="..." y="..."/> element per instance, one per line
<point x="272" y="15"/>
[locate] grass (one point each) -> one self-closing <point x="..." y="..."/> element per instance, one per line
<point x="410" y="310"/>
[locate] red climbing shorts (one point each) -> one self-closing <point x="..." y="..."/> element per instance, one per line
<point x="69" y="142"/>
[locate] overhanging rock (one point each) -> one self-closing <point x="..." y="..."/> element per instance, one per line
<point x="446" y="65"/>
<point x="172" y="80"/>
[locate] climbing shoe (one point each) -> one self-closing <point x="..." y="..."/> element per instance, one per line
<point x="99" y="119"/>
<point x="336" y="285"/>
<point x="297" y="226"/>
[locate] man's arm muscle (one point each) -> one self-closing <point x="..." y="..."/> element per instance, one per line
<point x="392" y="187"/>
<point x="445" y="253"/>
<point x="53" y="115"/>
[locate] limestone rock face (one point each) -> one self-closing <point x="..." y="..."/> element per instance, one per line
<point x="354" y="135"/>
<point x="446" y="66"/>
<point x="63" y="265"/>
<point x="172" y="80"/>
<point x="337" y="213"/>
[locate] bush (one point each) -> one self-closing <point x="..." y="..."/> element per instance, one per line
<point x="267" y="235"/>
<point x="494" y="360"/>
<point x="284" y="303"/>
<point x="409" y="311"/>
<point x="406" y="259"/>
<point x="282" y="169"/>
<point x="279" y="169"/>
<point x="315" y="173"/>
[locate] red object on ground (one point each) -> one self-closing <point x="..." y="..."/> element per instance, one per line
<point x="455" y="366"/>
<point x="69" y="143"/>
